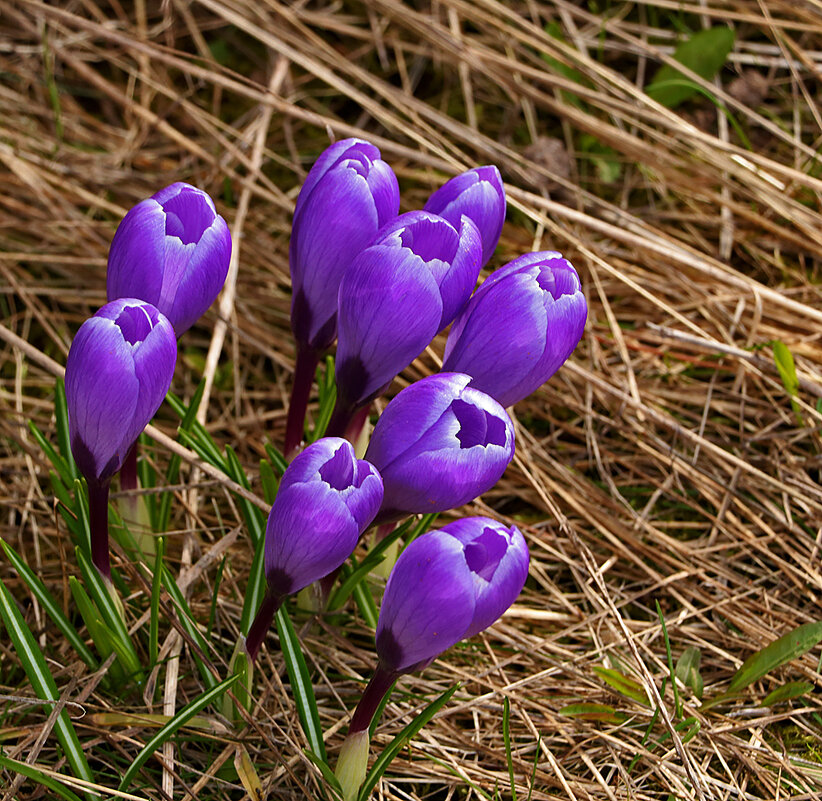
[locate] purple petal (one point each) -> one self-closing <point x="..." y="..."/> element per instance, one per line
<point x="450" y="462"/>
<point x="411" y="412"/>
<point x="310" y="533"/>
<point x="326" y="499"/>
<point x="479" y="195"/>
<point x="389" y="310"/>
<point x="498" y="559"/>
<point x="327" y="160"/>
<point x="458" y="283"/>
<point x="118" y="371"/>
<point x="173" y="251"/>
<point x="136" y="255"/>
<point x="201" y="278"/>
<point x="428" y="603"/>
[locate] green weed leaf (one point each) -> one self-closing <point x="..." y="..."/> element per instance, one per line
<point x="622" y="684"/>
<point x="788" y="647"/>
<point x="687" y="670"/>
<point x="704" y="53"/>
<point x="300" y="681"/>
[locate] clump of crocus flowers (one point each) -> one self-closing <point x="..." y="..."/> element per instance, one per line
<point x="383" y="285"/>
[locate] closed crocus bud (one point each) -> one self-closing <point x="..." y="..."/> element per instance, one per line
<point x="118" y="371"/>
<point x="407" y="285"/>
<point x="348" y="195"/>
<point x="480" y="196"/>
<point x="447" y="585"/>
<point x="171" y="250"/>
<point x="326" y="499"/>
<point x="439" y="444"/>
<point x="519" y="327"/>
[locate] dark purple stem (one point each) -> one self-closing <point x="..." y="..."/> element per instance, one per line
<point x="383" y="531"/>
<point x="326" y="585"/>
<point x="128" y="472"/>
<point x="355" y="427"/>
<point x="261" y="625"/>
<point x="98" y="526"/>
<point x="379" y="685"/>
<point x="341" y="419"/>
<point x="307" y="361"/>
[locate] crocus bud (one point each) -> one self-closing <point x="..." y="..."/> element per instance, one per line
<point x="118" y="371"/>
<point x="519" y="327"/>
<point x="439" y="444"/>
<point x="407" y="285"/>
<point x="480" y="196"/>
<point x="446" y="585"/>
<point x="326" y="499"/>
<point x="349" y="193"/>
<point x="171" y="250"/>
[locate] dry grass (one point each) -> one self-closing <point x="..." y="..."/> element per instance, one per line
<point x="663" y="463"/>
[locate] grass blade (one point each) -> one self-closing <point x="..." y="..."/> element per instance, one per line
<point x="187" y="622"/>
<point x="63" y="440"/>
<point x="52" y="608"/>
<point x="671" y="672"/>
<point x="156" y="584"/>
<point x="60" y="464"/>
<point x="396" y="745"/>
<point x="31" y="772"/>
<point x="788" y="647"/>
<point x="176" y="723"/>
<point x="101" y="593"/>
<point x="506" y="736"/>
<point x="300" y="681"/>
<point x="255" y="589"/>
<point x="42" y="682"/>
<point x="328" y="774"/>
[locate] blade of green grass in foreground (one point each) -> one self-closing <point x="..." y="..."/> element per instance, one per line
<point x="42" y="682"/>
<point x="300" y="682"/>
<point x="176" y="723"/>
<point x="53" y="610"/>
<point x="396" y="745"/>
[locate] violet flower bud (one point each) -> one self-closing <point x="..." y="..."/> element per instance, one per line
<point x="171" y="250"/>
<point x="118" y="371"/>
<point x="480" y="196"/>
<point x="439" y="444"/>
<point x="326" y="499"/>
<point x="519" y="327"/>
<point x="407" y="285"/>
<point x="349" y="194"/>
<point x="448" y="585"/>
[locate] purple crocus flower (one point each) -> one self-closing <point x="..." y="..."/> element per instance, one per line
<point x="173" y="251"/>
<point x="479" y="195"/>
<point x="326" y="499"/>
<point x="118" y="371"/>
<point x="348" y="195"/>
<point x="519" y="327"/>
<point x="447" y="585"/>
<point x="407" y="285"/>
<point x="438" y="445"/>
